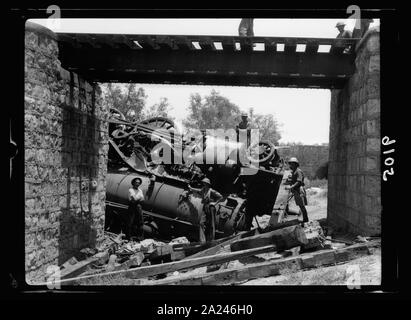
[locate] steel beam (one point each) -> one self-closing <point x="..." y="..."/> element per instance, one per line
<point x="173" y="59"/>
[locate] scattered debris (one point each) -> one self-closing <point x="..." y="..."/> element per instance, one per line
<point x="361" y="239"/>
<point x="237" y="258"/>
<point x="179" y="240"/>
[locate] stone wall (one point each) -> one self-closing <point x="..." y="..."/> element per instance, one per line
<point x="66" y="145"/>
<point x="354" y="175"/>
<point x="312" y="158"/>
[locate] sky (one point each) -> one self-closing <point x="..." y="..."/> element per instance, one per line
<point x="303" y="113"/>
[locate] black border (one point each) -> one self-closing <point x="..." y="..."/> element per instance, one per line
<point x="259" y="296"/>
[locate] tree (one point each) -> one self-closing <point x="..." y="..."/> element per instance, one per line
<point x="216" y="111"/>
<point x="161" y="109"/>
<point x="268" y="127"/>
<point x="213" y="112"/>
<point x="125" y="98"/>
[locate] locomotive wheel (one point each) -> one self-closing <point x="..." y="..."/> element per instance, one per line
<point x="159" y="122"/>
<point x="265" y="151"/>
<point x="119" y="134"/>
<point x="114" y="111"/>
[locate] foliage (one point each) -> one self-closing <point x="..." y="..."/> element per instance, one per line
<point x="125" y="98"/>
<point x="132" y="102"/>
<point x="267" y="125"/>
<point x="161" y="109"/>
<point x="212" y="112"/>
<point x="218" y="112"/>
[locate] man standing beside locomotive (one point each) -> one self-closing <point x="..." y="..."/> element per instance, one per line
<point x="207" y="218"/>
<point x="297" y="186"/>
<point x="135" y="212"/>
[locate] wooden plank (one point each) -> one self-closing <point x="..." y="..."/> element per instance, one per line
<point x="336" y="49"/>
<point x="148" y="43"/>
<point x="312" y="47"/>
<point x="166" y="42"/>
<point x="284" y="238"/>
<point x="290" y="47"/>
<point x="184" y="43"/>
<point x="228" y="45"/>
<point x="272" y="225"/>
<point x="206" y="44"/>
<point x="177" y="255"/>
<point x="196" y="247"/>
<point x="198" y="262"/>
<point x="272" y="267"/>
<point x="144" y="272"/>
<point x="269" y="45"/>
<point x="74" y="270"/>
<point x="218" y="247"/>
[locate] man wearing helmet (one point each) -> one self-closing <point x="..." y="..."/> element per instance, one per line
<point x="297" y="186"/>
<point x="342" y="33"/>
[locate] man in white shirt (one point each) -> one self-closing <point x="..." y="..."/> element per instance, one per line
<point x="135" y="198"/>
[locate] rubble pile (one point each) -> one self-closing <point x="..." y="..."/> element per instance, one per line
<point x="238" y="258"/>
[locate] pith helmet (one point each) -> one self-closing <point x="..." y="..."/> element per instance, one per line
<point x="294" y="160"/>
<point x="340" y="24"/>
<point x="206" y="180"/>
<point x="244" y="114"/>
<point x="135" y="179"/>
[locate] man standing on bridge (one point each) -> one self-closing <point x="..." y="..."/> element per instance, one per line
<point x="244" y="124"/>
<point x="297" y="186"/>
<point x="344" y="34"/>
<point x="246" y="28"/>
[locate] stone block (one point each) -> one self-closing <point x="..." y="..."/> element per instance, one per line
<point x="373" y="44"/>
<point x="373" y="185"/>
<point x="373" y="107"/>
<point x="31" y="40"/>
<point x="374" y="63"/>
<point x="372" y="221"/>
<point x="373" y="145"/>
<point x="373" y="86"/>
<point x="371" y="164"/>
<point x="366" y="203"/>
<point x="372" y="127"/>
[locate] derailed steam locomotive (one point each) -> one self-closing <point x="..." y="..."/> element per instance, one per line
<point x="171" y="208"/>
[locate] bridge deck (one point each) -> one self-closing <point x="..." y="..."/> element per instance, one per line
<point x="209" y="60"/>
